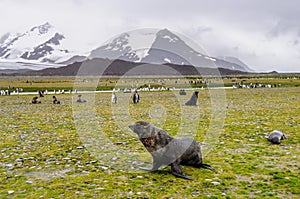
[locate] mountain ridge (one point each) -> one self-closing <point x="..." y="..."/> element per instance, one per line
<point x="106" y="67"/>
<point x="45" y="45"/>
<point x="40" y="44"/>
<point x="163" y="46"/>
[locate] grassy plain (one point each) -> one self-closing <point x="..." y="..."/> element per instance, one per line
<point x="48" y="151"/>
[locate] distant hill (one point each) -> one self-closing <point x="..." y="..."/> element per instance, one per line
<point x="236" y="61"/>
<point x="13" y="71"/>
<point x="106" y="67"/>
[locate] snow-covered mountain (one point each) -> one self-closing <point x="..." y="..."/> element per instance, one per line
<point x="158" y="47"/>
<point x="40" y="44"/>
<point x="45" y="47"/>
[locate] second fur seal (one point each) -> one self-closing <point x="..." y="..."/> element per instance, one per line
<point x="275" y="137"/>
<point x="167" y="150"/>
<point x="193" y="100"/>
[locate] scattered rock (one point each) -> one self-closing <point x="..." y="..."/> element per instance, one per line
<point x="119" y="143"/>
<point x="215" y="183"/>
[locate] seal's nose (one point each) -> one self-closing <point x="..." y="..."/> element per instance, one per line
<point x="131" y="126"/>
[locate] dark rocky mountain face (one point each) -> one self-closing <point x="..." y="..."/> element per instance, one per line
<point x="40" y="44"/>
<point x="166" y="47"/>
<point x="118" y="48"/>
<point x="42" y="29"/>
<point x="43" y="49"/>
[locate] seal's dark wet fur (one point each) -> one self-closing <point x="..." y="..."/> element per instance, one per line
<point x="167" y="150"/>
<point x="193" y="100"/>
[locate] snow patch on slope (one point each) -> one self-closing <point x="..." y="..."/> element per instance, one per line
<point x="141" y="41"/>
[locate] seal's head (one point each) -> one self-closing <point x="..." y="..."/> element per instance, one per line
<point x="276" y="140"/>
<point x="142" y="129"/>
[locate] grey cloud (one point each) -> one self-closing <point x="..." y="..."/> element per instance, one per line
<point x="220" y="25"/>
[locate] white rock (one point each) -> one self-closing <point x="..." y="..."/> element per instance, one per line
<point x="215" y="183"/>
<point x="11" y="192"/>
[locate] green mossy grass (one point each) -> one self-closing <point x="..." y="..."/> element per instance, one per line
<point x="44" y="155"/>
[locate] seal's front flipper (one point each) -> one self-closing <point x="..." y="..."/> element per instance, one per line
<point x="176" y="171"/>
<point x="284" y="137"/>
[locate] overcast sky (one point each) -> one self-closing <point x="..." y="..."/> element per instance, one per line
<point x="265" y="34"/>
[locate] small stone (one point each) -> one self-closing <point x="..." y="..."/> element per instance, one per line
<point x="19" y="160"/>
<point x="11" y="192"/>
<point x="215" y="183"/>
<point x="10" y="165"/>
<point x="79" y="147"/>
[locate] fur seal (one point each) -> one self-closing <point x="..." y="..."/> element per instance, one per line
<point x="167" y="150"/>
<point x="35" y="100"/>
<point x="80" y="100"/>
<point x="182" y="92"/>
<point x="193" y="100"/>
<point x="275" y="137"/>
<point x="55" y="101"/>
